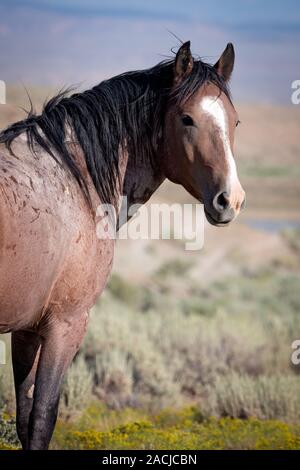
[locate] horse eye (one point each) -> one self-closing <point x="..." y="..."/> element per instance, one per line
<point x="187" y="120"/>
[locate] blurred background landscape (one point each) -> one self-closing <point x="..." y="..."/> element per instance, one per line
<point x="184" y="349"/>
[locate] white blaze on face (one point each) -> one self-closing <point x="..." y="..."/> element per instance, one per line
<point x="213" y="106"/>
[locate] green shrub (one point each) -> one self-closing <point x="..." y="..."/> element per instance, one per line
<point x="77" y="389"/>
<point x="242" y="396"/>
<point x="169" y="354"/>
<point x="174" y="267"/>
<point x="121" y="290"/>
<point x="7" y="394"/>
<point x="8" y="436"/>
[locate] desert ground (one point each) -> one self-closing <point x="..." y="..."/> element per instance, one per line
<point x="192" y="349"/>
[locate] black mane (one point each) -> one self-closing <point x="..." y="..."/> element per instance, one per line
<point x="126" y="111"/>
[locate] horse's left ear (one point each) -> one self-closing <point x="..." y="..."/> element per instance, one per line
<point x="225" y="64"/>
<point x="183" y="63"/>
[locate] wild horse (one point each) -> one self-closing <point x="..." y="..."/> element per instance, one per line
<point x="122" y="137"/>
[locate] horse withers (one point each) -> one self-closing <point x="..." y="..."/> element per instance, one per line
<point x="121" y="138"/>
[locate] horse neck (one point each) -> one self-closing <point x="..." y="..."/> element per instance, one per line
<point x="138" y="180"/>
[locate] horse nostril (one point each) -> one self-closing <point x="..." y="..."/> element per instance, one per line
<point x="221" y="202"/>
<point x="243" y="205"/>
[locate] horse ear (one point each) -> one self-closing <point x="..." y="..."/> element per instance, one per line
<point x="225" y="64"/>
<point x="183" y="63"/>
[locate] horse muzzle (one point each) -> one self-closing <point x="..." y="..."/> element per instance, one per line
<point x="223" y="208"/>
